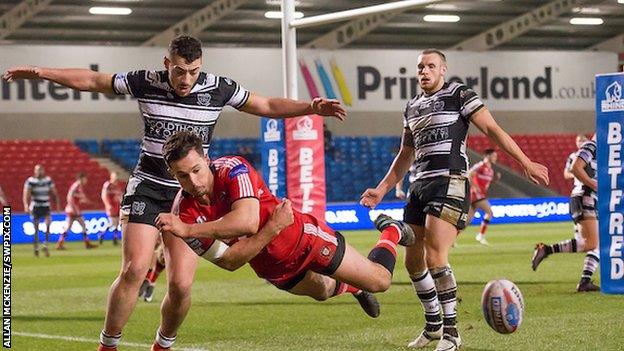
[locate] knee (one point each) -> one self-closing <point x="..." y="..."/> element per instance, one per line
<point x="322" y="295"/>
<point x="179" y="290"/>
<point x="133" y="273"/>
<point x="381" y="283"/>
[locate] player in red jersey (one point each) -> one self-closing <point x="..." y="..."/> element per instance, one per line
<point x="75" y="196"/>
<point x="111" y="197"/>
<point x="481" y="176"/>
<point x="225" y="200"/>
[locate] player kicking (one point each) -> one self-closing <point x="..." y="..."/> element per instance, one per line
<point x="583" y="201"/>
<point x="225" y="199"/>
<point x="75" y="196"/>
<point x="481" y="176"/>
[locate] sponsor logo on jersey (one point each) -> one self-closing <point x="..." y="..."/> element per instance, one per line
<point x="325" y="251"/>
<point x="203" y="99"/>
<point x="238" y="170"/>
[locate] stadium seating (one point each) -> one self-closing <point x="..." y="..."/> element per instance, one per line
<point x="551" y="150"/>
<point x="367" y="157"/>
<point x="61" y="159"/>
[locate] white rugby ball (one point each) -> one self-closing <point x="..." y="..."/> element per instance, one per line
<point x="502" y="305"/>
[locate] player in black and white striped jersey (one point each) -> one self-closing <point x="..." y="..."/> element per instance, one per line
<point x="583" y="209"/>
<point x="38" y="190"/>
<point x="181" y="97"/>
<point x="434" y="137"/>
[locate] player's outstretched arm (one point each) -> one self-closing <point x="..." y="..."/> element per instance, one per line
<point x="401" y="164"/>
<point x="483" y="119"/>
<point x="244" y="250"/>
<point x="578" y="170"/>
<point x="285" y="108"/>
<point x="75" y="78"/>
<point x="243" y="219"/>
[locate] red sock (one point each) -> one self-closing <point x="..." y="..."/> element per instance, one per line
<point x="155" y="272"/>
<point x="484" y="225"/>
<point x="389" y="239"/>
<point x="342" y="288"/>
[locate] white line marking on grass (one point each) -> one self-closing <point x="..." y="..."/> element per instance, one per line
<point x="86" y="340"/>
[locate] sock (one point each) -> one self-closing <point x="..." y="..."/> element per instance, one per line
<point x="342" y="288"/>
<point x="164" y="341"/>
<point x="153" y="274"/>
<point x="61" y="239"/>
<point x="446" y="286"/>
<point x="109" y="340"/>
<point x="384" y="251"/>
<point x="426" y="291"/>
<point x="592" y="259"/>
<point x="484" y="225"/>
<point x="565" y="246"/>
<point x="115" y="233"/>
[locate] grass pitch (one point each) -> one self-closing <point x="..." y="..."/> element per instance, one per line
<point x="59" y="302"/>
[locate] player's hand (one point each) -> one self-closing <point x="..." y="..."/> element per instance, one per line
<point x="170" y="223"/>
<point x="281" y="217"/>
<point x="538" y="173"/>
<point x="400" y="194"/>
<point x="371" y="197"/>
<point x="21" y="72"/>
<point x="327" y="107"/>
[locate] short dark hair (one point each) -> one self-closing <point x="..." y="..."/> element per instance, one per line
<point x="488" y="152"/>
<point x="178" y="145"/>
<point x="187" y="47"/>
<point x="81" y="175"/>
<point x="434" y="51"/>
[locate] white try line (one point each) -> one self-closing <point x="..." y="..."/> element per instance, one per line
<point x="92" y="341"/>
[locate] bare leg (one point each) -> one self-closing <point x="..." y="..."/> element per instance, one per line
<point x="181" y="263"/>
<point x="137" y="249"/>
<point x="362" y="273"/>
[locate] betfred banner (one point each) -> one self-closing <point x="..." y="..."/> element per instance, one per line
<point x="610" y="141"/>
<point x="273" y="155"/>
<point x="364" y="80"/>
<point x="305" y="162"/>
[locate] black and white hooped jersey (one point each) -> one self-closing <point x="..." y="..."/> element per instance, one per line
<point x="439" y="125"/>
<point x="165" y="113"/>
<point x="40" y="191"/>
<point x="587" y="153"/>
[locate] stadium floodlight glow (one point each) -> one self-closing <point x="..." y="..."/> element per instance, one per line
<point x="278" y="14"/>
<point x="442" y="7"/>
<point x="441" y="18"/>
<point x="586" y="21"/>
<point x="110" y="11"/>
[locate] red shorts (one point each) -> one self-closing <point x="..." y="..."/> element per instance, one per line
<point x="112" y="211"/>
<point x="319" y="249"/>
<point x="477" y="194"/>
<point x="73" y="211"/>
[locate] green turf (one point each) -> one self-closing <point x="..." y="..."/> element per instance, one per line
<point x="65" y="296"/>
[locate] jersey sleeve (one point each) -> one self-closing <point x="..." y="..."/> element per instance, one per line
<point x="132" y="83"/>
<point x="587" y="152"/>
<point x="241" y="179"/>
<point x="469" y="102"/>
<point x="233" y="93"/>
<point x="569" y="162"/>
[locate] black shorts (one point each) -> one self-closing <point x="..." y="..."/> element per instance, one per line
<point x="144" y="200"/>
<point x="39" y="212"/>
<point x="445" y="197"/>
<point x="583" y="207"/>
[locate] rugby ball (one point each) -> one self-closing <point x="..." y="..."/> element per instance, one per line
<point x="502" y="305"/>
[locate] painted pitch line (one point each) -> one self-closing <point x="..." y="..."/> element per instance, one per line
<point x="91" y="341"/>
